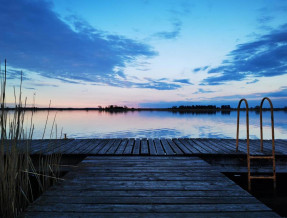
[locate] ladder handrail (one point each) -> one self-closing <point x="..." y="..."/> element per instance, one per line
<point x="261" y="133"/>
<point x="272" y="124"/>
<point x="273" y="137"/>
<point x="247" y="123"/>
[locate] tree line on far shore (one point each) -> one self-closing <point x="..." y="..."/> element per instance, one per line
<point x="116" y="108"/>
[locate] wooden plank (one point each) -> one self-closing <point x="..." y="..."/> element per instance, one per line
<point x="220" y="149"/>
<point x="161" y="184"/>
<point x="182" y="147"/>
<point x="102" y="143"/>
<point x="229" y="148"/>
<point x="256" y="147"/>
<point x="141" y="208"/>
<point x="221" y="214"/>
<point x="50" y="146"/>
<point x="167" y="148"/>
<point x="206" y="147"/>
<point x="144" y="147"/>
<point x="267" y="148"/>
<point x="122" y="146"/>
<point x="136" y="149"/>
<point x="106" y="147"/>
<point x="147" y="193"/>
<point x="282" y="144"/>
<point x="147" y="200"/>
<point x="129" y="147"/>
<point x="155" y="147"/>
<point x="242" y="144"/>
<point x="68" y="149"/>
<point x="82" y="149"/>
<point x="197" y="147"/>
<point x="39" y="147"/>
<point x="158" y="147"/>
<point x="174" y="147"/>
<point x="114" y="146"/>
<point x="169" y="176"/>
<point x="91" y="145"/>
<point x="137" y="158"/>
<point x="188" y="146"/>
<point x="65" y="147"/>
<point x="279" y="148"/>
<point x="77" y="148"/>
<point x="151" y="146"/>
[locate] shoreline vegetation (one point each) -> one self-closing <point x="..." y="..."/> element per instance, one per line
<point x="22" y="177"/>
<point x="115" y="108"/>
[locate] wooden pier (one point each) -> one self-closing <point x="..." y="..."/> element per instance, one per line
<point x="161" y="147"/>
<point x="154" y="186"/>
<point x="149" y="178"/>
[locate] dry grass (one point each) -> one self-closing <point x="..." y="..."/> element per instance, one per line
<point x="16" y="165"/>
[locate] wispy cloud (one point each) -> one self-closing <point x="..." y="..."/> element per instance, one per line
<point x="200" y="91"/>
<point x="157" y="85"/>
<point x="44" y="84"/>
<point x="15" y="74"/>
<point x="146" y="83"/>
<point x="253" y="81"/>
<point x="265" y="57"/>
<point x="182" y="9"/>
<point x="253" y="100"/>
<point x="281" y="93"/>
<point x="265" y="19"/>
<point x="170" y="34"/>
<point x="195" y="70"/>
<point x="184" y="81"/>
<point x="33" y="37"/>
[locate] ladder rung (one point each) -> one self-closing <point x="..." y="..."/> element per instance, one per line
<point x="260" y="157"/>
<point x="262" y="177"/>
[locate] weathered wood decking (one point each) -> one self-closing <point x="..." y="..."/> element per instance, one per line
<point x="140" y="186"/>
<point x="152" y="177"/>
<point x="170" y="147"/>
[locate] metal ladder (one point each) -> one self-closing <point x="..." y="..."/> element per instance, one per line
<point x="249" y="157"/>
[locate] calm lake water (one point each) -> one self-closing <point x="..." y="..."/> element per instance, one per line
<point x="153" y="124"/>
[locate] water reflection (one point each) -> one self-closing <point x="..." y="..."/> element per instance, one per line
<point x="225" y="112"/>
<point x="151" y="124"/>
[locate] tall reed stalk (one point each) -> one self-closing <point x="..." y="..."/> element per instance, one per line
<point x="16" y="165"/>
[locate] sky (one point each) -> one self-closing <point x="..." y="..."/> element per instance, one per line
<point x="145" y="53"/>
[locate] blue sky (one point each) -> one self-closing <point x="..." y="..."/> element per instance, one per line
<point x="145" y="53"/>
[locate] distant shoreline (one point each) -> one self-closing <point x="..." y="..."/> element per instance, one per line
<point x="142" y="109"/>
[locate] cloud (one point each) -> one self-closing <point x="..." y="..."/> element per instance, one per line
<point x="146" y="83"/>
<point x="278" y="98"/>
<point x="281" y="93"/>
<point x="157" y="85"/>
<point x="170" y="34"/>
<point x="182" y="9"/>
<point x="195" y="70"/>
<point x="253" y="81"/>
<point x="69" y="80"/>
<point x="264" y="57"/>
<point x="265" y="19"/>
<point x="35" y="38"/>
<point x="15" y="74"/>
<point x="184" y="81"/>
<point x="203" y="91"/>
<point x="44" y="84"/>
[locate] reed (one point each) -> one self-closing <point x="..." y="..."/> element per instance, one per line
<point x="16" y="166"/>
